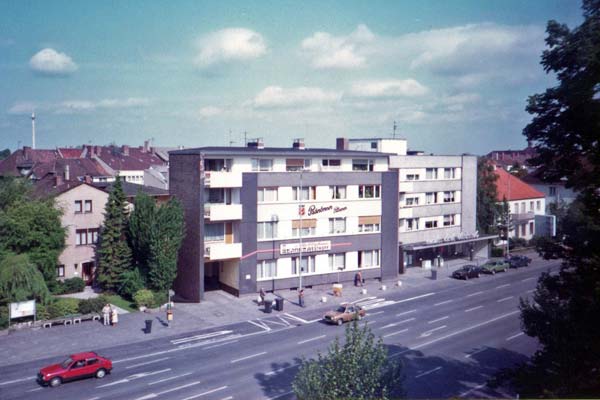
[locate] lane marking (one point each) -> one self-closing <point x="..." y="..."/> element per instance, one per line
<point x="406" y="312"/>
<point x="35" y="390"/>
<point x="148" y="362"/>
<point x="133" y="377"/>
<point x="502" y="286"/>
<point x="530" y="291"/>
<point x="473" y="309"/>
<point x="281" y="395"/>
<point x="18" y="380"/>
<point x="228" y="398"/>
<point x="205" y="393"/>
<point x="514" y="336"/>
<point x="153" y="395"/>
<point x="285" y="321"/>
<point x="247" y="357"/>
<point x="395" y="333"/>
<point x="311" y="339"/>
<point x="200" y="337"/>
<point x="474" y="294"/>
<point x="220" y="344"/>
<point x="528" y="279"/>
<point x="281" y="370"/>
<point x="376" y="313"/>
<point x="438" y="320"/>
<point x="444" y="302"/>
<point x="169" y="379"/>
<point x="416" y="297"/>
<point x="261" y="325"/>
<point x="431" y="371"/>
<point x="504" y="299"/>
<point x="296" y="318"/>
<point x="475" y="352"/>
<point x="429" y="332"/>
<point x="363" y="299"/>
<point x="463" y="394"/>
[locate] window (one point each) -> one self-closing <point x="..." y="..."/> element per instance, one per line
<point x="332" y="164"/>
<point x="337" y="261"/>
<point x="368" y="258"/>
<point x="262" y="164"/>
<point x="369" y="191"/>
<point x="523" y="229"/>
<point x="374" y="145"/>
<point x="267" y="194"/>
<point x="431" y="224"/>
<point x="523" y="207"/>
<point x="552" y="190"/>
<point x="308" y="264"/>
<point x="531" y="206"/>
<point x="266" y="230"/>
<point x="86" y="236"/>
<point x="448" y="220"/>
<point x="307" y="227"/>
<point x="412" y="224"/>
<point x="449" y="197"/>
<point x="538" y="205"/>
<point x="60" y="271"/>
<point x="214" y="232"/>
<point x="88" y="206"/>
<point x="412" y="201"/>
<point x="304" y="192"/>
<point x="531" y="228"/>
<point x="431" y="173"/>
<point x="266" y="269"/>
<point x="214" y="195"/>
<point x="297" y="164"/>
<point x="369" y="224"/>
<point x="217" y="164"/>
<point x="412" y="177"/>
<point x="362" y="165"/>
<point x="337" y="225"/>
<point x="337" y="192"/>
<point x="449" y="173"/>
<point x="78" y="206"/>
<point x="431" y="198"/>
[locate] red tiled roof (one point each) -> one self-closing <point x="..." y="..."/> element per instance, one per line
<point x="115" y="158"/>
<point x="78" y="168"/>
<point x="512" y="188"/>
<point x="25" y="158"/>
<point x="70" y="153"/>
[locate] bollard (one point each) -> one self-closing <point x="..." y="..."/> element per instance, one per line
<point x="383" y="287"/>
<point x="399" y="283"/>
<point x="323" y="299"/>
<point x="363" y="291"/>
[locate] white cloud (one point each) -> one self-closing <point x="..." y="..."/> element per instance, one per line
<point x="23" y="107"/>
<point x="77" y="106"/>
<point x="123" y="103"/>
<point x="209" y="111"/>
<point x="50" y="62"/>
<point x="278" y="97"/>
<point x="388" y="89"/>
<point x="232" y="44"/>
<point x="342" y="52"/>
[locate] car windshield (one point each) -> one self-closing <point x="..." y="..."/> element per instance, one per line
<point x="66" y="363"/>
<point x="341" y="309"/>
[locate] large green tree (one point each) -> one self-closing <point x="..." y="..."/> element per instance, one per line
<point x="358" y="369"/>
<point x="488" y="210"/>
<point x="114" y="253"/>
<point x="20" y="280"/>
<point x="141" y="230"/>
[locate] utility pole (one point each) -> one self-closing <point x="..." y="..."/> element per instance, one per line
<point x="33" y="130"/>
<point x="394" y="136"/>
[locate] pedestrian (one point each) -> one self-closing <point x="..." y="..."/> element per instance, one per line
<point x="114" y="317"/>
<point x="360" y="278"/>
<point x="301" y="297"/>
<point x="262" y="295"/>
<point x="106" y="314"/>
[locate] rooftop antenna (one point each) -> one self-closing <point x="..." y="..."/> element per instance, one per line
<point x="231" y="141"/>
<point x="33" y="130"/>
<point x="245" y="138"/>
<point x="394" y="136"/>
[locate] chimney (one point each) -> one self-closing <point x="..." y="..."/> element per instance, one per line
<point x="146" y="147"/>
<point x="67" y="173"/>
<point x="298" y="144"/>
<point x="27" y="152"/>
<point x="87" y="179"/>
<point x="90" y="150"/>
<point x="58" y="180"/>
<point x="125" y="149"/>
<point x="98" y="150"/>
<point x="342" y="143"/>
<point x="256" y="143"/>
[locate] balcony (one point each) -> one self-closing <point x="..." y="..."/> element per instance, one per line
<point x="222" y="179"/>
<point x="222" y="251"/>
<point x="222" y="212"/>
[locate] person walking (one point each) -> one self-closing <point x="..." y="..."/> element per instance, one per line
<point x="360" y="278"/>
<point x="301" y="297"/>
<point x="106" y="314"/>
<point x="262" y="295"/>
<point x="114" y="317"/>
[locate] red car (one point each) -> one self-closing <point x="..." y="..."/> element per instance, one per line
<point x="77" y="366"/>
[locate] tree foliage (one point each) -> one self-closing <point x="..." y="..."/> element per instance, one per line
<point x="4" y="154"/>
<point x="21" y="280"/>
<point x="141" y="230"/>
<point x="487" y="203"/>
<point x="358" y="369"/>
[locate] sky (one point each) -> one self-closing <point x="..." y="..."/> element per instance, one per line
<point x="453" y="76"/>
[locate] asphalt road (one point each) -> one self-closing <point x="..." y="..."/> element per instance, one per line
<point x="450" y="339"/>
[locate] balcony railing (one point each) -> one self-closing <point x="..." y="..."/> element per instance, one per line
<point x="222" y="251"/>
<point x="223" y="212"/>
<point x="222" y="179"/>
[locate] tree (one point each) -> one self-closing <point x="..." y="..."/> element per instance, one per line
<point x="358" y="369"/>
<point x="518" y="170"/>
<point x="114" y="254"/>
<point x="4" y="154"/>
<point x="20" y="280"/>
<point x="13" y="190"/>
<point x="141" y="230"/>
<point x="487" y="203"/>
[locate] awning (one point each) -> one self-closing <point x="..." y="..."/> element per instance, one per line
<point x="424" y="245"/>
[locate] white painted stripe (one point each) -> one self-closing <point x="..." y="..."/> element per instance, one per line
<point x="363" y="299"/>
<point x="503" y="286"/>
<point x="528" y="279"/>
<point x="281" y="395"/>
<point x="514" y="336"/>
<point x="530" y="291"/>
<point x="94" y="398"/>
<point x="285" y="321"/>
<point x="475" y="352"/>
<point x="148" y="362"/>
<point x="416" y="297"/>
<point x="35" y="390"/>
<point x="247" y="357"/>
<point x="473" y="309"/>
<point x="504" y="299"/>
<point x="463" y="394"/>
<point x="296" y="318"/>
<point x="270" y="321"/>
<point x="474" y="294"/>
<point x="261" y="325"/>
<point x="438" y="320"/>
<point x="221" y="344"/>
<point x="205" y="393"/>
<point x="431" y="371"/>
<point x="227" y="398"/>
<point x="18" y="380"/>
<point x="169" y="379"/>
<point x="134" y="377"/>
<point x="429" y="332"/>
<point x="311" y="339"/>
<point x="154" y="395"/>
<point x="376" y="313"/>
<point x="405" y="320"/>
<point x="395" y="333"/>
<point x="443" y="302"/>
<point x="281" y="370"/>
<point x="200" y="337"/>
<point x="406" y="312"/>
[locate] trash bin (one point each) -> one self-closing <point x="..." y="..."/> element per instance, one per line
<point x="148" y="326"/>
<point x="279" y="304"/>
<point x="268" y="306"/>
<point x="434" y="274"/>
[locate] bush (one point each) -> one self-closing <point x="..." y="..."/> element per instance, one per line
<point x="56" y="287"/>
<point x="144" y="298"/>
<point x="160" y="298"/>
<point x="497" y="252"/>
<point x="41" y="312"/>
<point x="132" y="282"/>
<point x="61" y="307"/>
<point x="74" y="285"/>
<point x="3" y="316"/>
<point x="516" y="243"/>
<point x="95" y="305"/>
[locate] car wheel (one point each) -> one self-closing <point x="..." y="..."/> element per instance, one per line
<point x="101" y="373"/>
<point x="54" y="382"/>
<point x="339" y="322"/>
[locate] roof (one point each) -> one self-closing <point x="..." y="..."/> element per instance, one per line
<point x="117" y="159"/>
<point x="71" y="152"/>
<point x="25" y="158"/>
<point x="47" y="187"/>
<point x="275" y="151"/>
<point x="132" y="189"/>
<point x="512" y="188"/>
<point x="78" y="167"/>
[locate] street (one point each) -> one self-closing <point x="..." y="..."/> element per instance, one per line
<point x="450" y="339"/>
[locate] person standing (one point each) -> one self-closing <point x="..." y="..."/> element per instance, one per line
<point x="106" y="314"/>
<point x="262" y="295"/>
<point x="360" y="278"/>
<point x="114" y="317"/>
<point x="301" y="297"/>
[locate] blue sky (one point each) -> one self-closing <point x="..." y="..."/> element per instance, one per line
<point x="454" y="75"/>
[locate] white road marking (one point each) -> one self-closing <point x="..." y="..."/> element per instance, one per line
<point x="311" y="339"/>
<point x="286" y="322"/>
<point x="200" y="337"/>
<point x="406" y="312"/>
<point x="375" y="313"/>
<point x="133" y="377"/>
<point x="168" y="379"/>
<point x="463" y="394"/>
<point x="270" y="321"/>
<point x="474" y="294"/>
<point x="502" y="286"/>
<point x="281" y="395"/>
<point x="35" y="390"/>
<point x="296" y="318"/>
<point x="395" y="333"/>
<point x="530" y="291"/>
<point x="514" y="336"/>
<point x="281" y="369"/>
<point x="154" y="395"/>
<point x="473" y="309"/>
<point x="205" y="393"/>
<point x="227" y="398"/>
<point x="438" y="320"/>
<point x="429" y="332"/>
<point x="148" y="362"/>
<point x="443" y="302"/>
<point x="475" y="352"/>
<point x="528" y="279"/>
<point x="18" y="380"/>
<point x="504" y="299"/>
<point x="431" y="371"/>
<point x="261" y="325"/>
<point x="247" y="357"/>
<point x="221" y="344"/>
<point x="416" y="297"/>
<point x="94" y="398"/>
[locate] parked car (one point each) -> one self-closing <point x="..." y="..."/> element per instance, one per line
<point x="76" y="366"/>
<point x="344" y="313"/>
<point x="466" y="272"/>
<point x="518" y="261"/>
<point x="491" y="267"/>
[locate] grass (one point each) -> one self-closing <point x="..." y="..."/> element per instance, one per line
<point x="121" y="302"/>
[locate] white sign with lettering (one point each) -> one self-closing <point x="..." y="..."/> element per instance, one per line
<point x="22" y="309"/>
<point x="307" y="247"/>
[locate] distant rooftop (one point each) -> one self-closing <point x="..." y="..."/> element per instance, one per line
<point x="281" y="151"/>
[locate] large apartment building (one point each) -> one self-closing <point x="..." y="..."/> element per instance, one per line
<point x="267" y="218"/>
